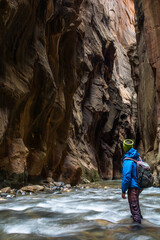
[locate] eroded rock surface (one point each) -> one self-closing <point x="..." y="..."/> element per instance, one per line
<point x="148" y="42"/>
<point x="67" y="98"/>
<point x="104" y="106"/>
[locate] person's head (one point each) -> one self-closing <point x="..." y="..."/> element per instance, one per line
<point x="127" y="144"/>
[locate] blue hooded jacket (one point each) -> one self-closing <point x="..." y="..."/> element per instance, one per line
<point x="129" y="172"/>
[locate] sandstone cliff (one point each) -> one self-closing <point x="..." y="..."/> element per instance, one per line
<point x="66" y="90"/>
<point x="148" y="45"/>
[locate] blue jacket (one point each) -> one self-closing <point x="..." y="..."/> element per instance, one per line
<point x="129" y="171"/>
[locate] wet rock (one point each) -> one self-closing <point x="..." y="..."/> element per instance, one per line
<point x="102" y="222"/>
<point x="59" y="184"/>
<point x="33" y="188"/>
<point x="4" y="194"/>
<point x="66" y="190"/>
<point x="13" y="191"/>
<point x="5" y="190"/>
<point x="18" y="192"/>
<point x="53" y="188"/>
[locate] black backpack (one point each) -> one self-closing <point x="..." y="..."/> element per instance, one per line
<point x="145" y="178"/>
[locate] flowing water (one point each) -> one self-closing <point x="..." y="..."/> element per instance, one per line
<point x="92" y="213"/>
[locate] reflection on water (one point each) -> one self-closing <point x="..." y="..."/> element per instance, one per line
<point x="91" y="213"/>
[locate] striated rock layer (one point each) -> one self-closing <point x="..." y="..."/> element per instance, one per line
<point x="148" y="44"/>
<point x="67" y="98"/>
<point x="104" y="107"/>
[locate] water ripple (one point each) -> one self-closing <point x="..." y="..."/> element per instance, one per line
<point x="81" y="214"/>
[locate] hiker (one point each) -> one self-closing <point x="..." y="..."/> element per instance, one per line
<point x="129" y="180"/>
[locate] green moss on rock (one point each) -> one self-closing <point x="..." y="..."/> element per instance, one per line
<point x="89" y="175"/>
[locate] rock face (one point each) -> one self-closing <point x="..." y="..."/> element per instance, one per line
<point x="104" y="107"/>
<point x="67" y="98"/>
<point x="148" y="44"/>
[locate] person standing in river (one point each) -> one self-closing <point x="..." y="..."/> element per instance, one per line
<point x="129" y="180"/>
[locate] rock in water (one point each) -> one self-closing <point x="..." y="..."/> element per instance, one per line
<point x="5" y="190"/>
<point x="33" y="188"/>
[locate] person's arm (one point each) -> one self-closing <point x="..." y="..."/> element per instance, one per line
<point x="126" y="179"/>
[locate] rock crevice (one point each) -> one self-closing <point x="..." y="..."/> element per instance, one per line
<point x="67" y="95"/>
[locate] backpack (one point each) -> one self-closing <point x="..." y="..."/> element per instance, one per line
<point x="144" y="176"/>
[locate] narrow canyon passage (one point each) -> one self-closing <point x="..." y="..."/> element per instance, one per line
<point x="68" y="90"/>
<point x="77" y="77"/>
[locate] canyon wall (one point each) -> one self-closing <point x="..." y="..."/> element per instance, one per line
<point x="148" y="45"/>
<point x="67" y="89"/>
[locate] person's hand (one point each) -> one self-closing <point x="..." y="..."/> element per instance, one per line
<point x="123" y="196"/>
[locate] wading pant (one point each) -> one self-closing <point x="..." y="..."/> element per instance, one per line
<point x="133" y="199"/>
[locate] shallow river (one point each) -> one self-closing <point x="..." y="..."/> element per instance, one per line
<point x="91" y="213"/>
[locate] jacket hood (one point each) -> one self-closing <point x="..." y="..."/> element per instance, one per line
<point x="132" y="153"/>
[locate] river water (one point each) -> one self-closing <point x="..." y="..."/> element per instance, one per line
<point x="92" y="213"/>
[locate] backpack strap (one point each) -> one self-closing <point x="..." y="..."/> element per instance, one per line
<point x="128" y="158"/>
